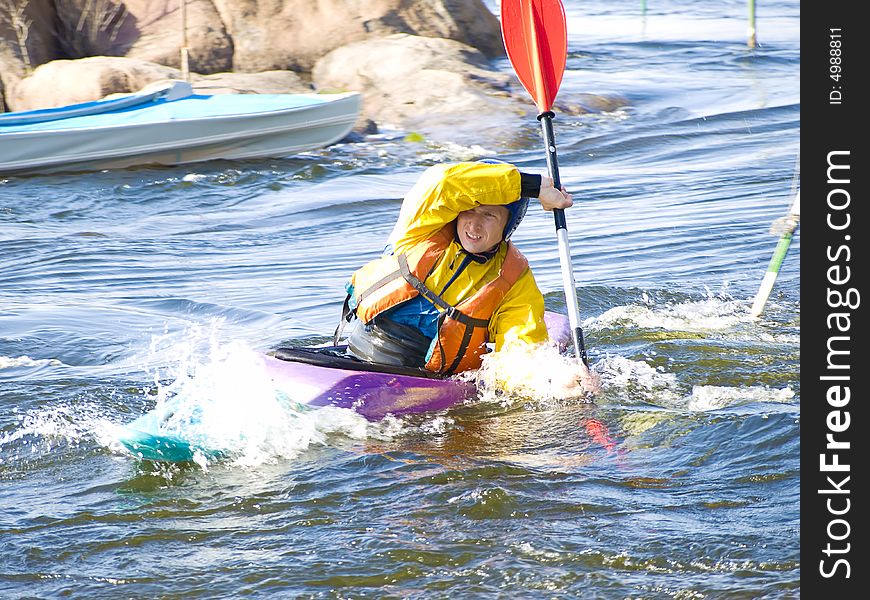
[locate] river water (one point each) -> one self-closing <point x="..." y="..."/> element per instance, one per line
<point x="121" y="288"/>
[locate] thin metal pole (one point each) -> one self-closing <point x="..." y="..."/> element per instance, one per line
<point x="185" y="53"/>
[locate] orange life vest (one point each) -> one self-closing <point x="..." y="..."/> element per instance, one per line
<point x="463" y="330"/>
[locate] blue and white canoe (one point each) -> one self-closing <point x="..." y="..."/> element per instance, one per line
<point x="171" y="125"/>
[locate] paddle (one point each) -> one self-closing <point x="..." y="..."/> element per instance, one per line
<point x="785" y="226"/>
<point x="536" y="39"/>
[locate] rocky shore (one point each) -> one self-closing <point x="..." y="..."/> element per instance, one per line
<point x="421" y="65"/>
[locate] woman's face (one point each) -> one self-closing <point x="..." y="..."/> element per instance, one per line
<point x="480" y="229"/>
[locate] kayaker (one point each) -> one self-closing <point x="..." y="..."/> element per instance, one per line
<point x="450" y="281"/>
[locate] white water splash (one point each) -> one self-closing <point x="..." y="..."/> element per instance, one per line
<point x="9" y="362"/>
<point x="439" y="425"/>
<point x="388" y="428"/>
<point x="531" y="372"/>
<point x="224" y="399"/>
<point x="639" y="380"/>
<point x="711" y="314"/>
<point x="450" y="151"/>
<point x="712" y="397"/>
<point x="646" y="384"/>
<point x="717" y="316"/>
<point x="221" y="397"/>
<point x="40" y="431"/>
<point x="194" y="177"/>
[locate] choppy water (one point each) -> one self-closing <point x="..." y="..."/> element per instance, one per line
<point x="118" y="288"/>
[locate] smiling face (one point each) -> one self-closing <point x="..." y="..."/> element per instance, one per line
<point x="480" y="229"/>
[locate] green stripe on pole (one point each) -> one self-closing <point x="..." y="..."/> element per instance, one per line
<point x="779" y="253"/>
<point x="751" y="41"/>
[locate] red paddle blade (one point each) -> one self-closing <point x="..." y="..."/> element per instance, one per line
<point x="536" y="39"/>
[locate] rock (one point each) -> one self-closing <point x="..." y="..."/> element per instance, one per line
<point x="158" y="37"/>
<point x="145" y="29"/>
<point x="581" y="104"/>
<point x="222" y="35"/>
<point x="26" y="38"/>
<point x="62" y="82"/>
<point x="444" y="90"/>
<point x="267" y="82"/>
<point x="93" y="28"/>
<point x="294" y="34"/>
<point x="225" y="35"/>
<point x="419" y="83"/>
<point x="364" y="127"/>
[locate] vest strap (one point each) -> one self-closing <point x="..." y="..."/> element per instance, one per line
<point x="380" y="283"/>
<point x="346" y="316"/>
<point x="450" y="310"/>
<point x="463" y="345"/>
<point x="405" y="271"/>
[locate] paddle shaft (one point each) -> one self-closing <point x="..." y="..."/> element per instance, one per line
<point x="536" y="39"/>
<point x="776" y="261"/>
<point x="568" y="283"/>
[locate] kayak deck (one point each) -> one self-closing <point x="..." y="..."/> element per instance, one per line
<point x="328" y="377"/>
<point x="336" y="357"/>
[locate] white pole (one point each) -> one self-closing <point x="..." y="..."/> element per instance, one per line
<point x="786" y="225"/>
<point x="185" y="55"/>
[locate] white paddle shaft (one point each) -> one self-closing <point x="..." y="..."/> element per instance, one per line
<point x="791" y="222"/>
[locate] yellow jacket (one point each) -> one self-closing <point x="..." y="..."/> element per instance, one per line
<point x="436" y="200"/>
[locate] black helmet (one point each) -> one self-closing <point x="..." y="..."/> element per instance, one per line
<point x="517" y="208"/>
<point x="517" y="211"/>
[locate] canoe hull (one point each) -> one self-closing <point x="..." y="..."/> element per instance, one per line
<point x="186" y="130"/>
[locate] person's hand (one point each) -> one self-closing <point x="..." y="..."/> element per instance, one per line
<point x="590" y="382"/>
<point x="551" y="198"/>
<point x="586" y="384"/>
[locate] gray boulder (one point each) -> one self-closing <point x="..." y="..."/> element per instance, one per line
<point x="441" y="88"/>
<point x="158" y="35"/>
<point x="26" y="39"/>
<point x="421" y="83"/>
<point x="267" y="82"/>
<point x="294" y="34"/>
<point x="62" y="82"/>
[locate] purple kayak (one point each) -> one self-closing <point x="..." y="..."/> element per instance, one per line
<point x="322" y="377"/>
<point x="327" y="377"/>
<point x="318" y="377"/>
